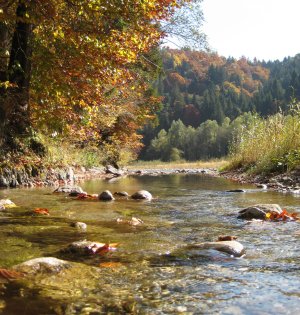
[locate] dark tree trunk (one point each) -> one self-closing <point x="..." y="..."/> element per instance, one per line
<point x="14" y="101"/>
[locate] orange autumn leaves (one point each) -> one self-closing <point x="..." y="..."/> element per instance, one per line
<point x="92" y="69"/>
<point x="283" y="216"/>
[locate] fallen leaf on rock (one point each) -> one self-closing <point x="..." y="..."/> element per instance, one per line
<point x="10" y="274"/>
<point x="43" y="211"/>
<point x="226" y="238"/>
<point x="102" y="249"/>
<point x="283" y="216"/>
<point x="111" y="264"/>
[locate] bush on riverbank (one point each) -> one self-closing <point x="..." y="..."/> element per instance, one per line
<point x="268" y="145"/>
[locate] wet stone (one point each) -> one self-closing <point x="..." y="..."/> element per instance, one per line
<point x="232" y="248"/>
<point x="69" y="189"/>
<point x="42" y="265"/>
<point x="259" y="211"/>
<point x="142" y="194"/>
<point x="106" y="196"/>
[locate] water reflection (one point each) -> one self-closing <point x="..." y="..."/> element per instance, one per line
<point x="152" y="273"/>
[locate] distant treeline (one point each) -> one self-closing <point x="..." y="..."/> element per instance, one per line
<point x="205" y="90"/>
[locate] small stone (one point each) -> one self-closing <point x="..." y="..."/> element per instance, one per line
<point x="106" y="196"/>
<point x="232" y="248"/>
<point x="79" y="225"/>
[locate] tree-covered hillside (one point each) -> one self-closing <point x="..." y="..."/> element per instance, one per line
<point x="199" y="86"/>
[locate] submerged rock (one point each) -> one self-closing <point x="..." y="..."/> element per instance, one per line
<point x="106" y="196"/>
<point x="142" y="194"/>
<point x="259" y="211"/>
<point x="133" y="221"/>
<point x="236" y="190"/>
<point x="232" y="248"/>
<point x="79" y="225"/>
<point x="43" y="265"/>
<point x="121" y="194"/>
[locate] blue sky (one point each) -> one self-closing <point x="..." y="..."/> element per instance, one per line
<point x="265" y="29"/>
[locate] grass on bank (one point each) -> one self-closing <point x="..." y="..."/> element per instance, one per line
<point x="268" y="145"/>
<point x="157" y="164"/>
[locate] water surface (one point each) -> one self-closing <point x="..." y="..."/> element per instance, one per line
<point x="151" y="272"/>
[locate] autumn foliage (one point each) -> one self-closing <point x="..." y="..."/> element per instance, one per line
<point x="91" y="65"/>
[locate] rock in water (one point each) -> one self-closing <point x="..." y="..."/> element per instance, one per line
<point x="232" y="248"/>
<point x="106" y="196"/>
<point x="121" y="194"/>
<point x="259" y="211"/>
<point x="43" y="265"/>
<point x="79" y="225"/>
<point x="142" y="194"/>
<point x="69" y="189"/>
<point x="236" y="190"/>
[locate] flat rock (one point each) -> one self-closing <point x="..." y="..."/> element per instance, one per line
<point x="236" y="190"/>
<point x="232" y="248"/>
<point x="142" y="194"/>
<point x="75" y="190"/>
<point x="42" y="265"/>
<point x="259" y="211"/>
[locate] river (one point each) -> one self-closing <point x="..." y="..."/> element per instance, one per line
<point x="151" y="272"/>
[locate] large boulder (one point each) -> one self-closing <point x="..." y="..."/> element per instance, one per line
<point x="42" y="265"/>
<point x="259" y="211"/>
<point x="106" y="195"/>
<point x="142" y="194"/>
<point x="233" y="248"/>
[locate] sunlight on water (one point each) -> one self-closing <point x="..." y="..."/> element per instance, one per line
<point x="151" y="272"/>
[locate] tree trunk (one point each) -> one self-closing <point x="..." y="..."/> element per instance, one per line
<point x="14" y="100"/>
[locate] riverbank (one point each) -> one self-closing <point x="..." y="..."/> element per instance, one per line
<point x="36" y="177"/>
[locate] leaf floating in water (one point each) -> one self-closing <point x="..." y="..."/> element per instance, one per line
<point x="43" y="211"/>
<point x="85" y="196"/>
<point x="111" y="264"/>
<point x="10" y="274"/>
<point x="226" y="238"/>
<point x="106" y="248"/>
<point x="283" y="216"/>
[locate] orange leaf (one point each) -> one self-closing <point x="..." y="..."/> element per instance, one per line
<point x="111" y="264"/>
<point x="43" y="211"/>
<point x="10" y="274"/>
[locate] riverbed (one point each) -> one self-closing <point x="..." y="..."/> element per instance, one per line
<point x="151" y="272"/>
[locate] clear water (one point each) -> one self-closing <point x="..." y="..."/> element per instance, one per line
<point x="152" y="272"/>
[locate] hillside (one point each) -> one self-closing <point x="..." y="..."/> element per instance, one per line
<point x="199" y="86"/>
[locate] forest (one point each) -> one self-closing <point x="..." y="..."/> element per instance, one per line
<point x="208" y="99"/>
